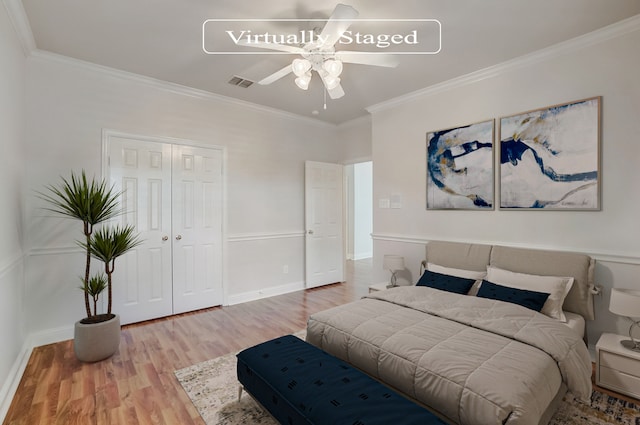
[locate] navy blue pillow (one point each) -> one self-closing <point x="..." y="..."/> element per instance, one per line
<point x="445" y="282"/>
<point x="530" y="299"/>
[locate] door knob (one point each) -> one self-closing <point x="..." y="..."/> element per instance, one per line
<point x="165" y="238"/>
<point x="310" y="232"/>
<point x="178" y="237"/>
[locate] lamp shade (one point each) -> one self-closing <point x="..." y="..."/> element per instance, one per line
<point x="300" y="66"/>
<point x="303" y="81"/>
<point x="331" y="82"/>
<point x="393" y="262"/>
<point x="333" y="67"/>
<point x="625" y="302"/>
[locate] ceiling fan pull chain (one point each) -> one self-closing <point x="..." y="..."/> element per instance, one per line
<point x="325" y="98"/>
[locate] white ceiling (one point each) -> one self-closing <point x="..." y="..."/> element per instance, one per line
<point x="163" y="39"/>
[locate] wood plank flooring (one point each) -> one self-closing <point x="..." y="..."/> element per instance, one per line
<point x="137" y="385"/>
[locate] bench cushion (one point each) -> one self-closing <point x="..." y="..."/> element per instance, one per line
<point x="301" y="384"/>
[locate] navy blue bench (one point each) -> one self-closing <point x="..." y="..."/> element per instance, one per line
<point x="302" y="384"/>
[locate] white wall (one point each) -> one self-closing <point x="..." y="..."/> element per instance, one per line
<point x="355" y="138"/>
<point x="349" y="198"/>
<point x="68" y="106"/>
<point x="12" y="315"/>
<point x="601" y="64"/>
<point x="363" y="213"/>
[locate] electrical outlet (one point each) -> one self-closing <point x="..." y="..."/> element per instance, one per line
<point x="285" y="269"/>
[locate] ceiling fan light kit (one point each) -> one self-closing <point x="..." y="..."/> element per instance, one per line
<point x="329" y="70"/>
<point x="333" y="67"/>
<point x="320" y="55"/>
<point x="300" y="67"/>
<point x="304" y="80"/>
<point x="331" y="82"/>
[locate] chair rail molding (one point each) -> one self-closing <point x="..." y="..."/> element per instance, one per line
<point x="608" y="257"/>
<point x="243" y="237"/>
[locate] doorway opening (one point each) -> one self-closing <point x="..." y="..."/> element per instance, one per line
<point x="359" y="210"/>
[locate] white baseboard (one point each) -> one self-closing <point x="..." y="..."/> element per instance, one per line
<point x="50" y="336"/>
<point x="10" y="386"/>
<point x="264" y="293"/>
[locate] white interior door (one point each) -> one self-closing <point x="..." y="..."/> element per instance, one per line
<point x="197" y="228"/>
<point x="142" y="287"/>
<point x="324" y="244"/>
<point x="173" y="195"/>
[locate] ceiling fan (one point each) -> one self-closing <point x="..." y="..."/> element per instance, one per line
<point x="320" y="55"/>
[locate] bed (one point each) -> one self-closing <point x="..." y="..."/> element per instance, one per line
<point x="473" y="356"/>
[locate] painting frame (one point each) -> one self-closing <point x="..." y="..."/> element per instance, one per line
<point x="550" y="157"/>
<point x="460" y="171"/>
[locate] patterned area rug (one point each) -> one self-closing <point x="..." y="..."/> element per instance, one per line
<point x="213" y="388"/>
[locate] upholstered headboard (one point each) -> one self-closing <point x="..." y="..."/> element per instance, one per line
<point x="466" y="256"/>
<point x="531" y="261"/>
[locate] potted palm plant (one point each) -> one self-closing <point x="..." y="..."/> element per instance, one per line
<point x="97" y="336"/>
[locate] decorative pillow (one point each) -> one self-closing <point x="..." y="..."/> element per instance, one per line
<point x="469" y="274"/>
<point x="556" y="287"/>
<point x="529" y="299"/>
<point x="458" y="285"/>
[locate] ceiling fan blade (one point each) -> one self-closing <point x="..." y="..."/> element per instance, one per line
<point x="386" y="60"/>
<point x="276" y="76"/>
<point x="273" y="46"/>
<point x="336" y="92"/>
<point x="337" y="24"/>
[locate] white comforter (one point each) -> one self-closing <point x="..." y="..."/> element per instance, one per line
<point x="472" y="360"/>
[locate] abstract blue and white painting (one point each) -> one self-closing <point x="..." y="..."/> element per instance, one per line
<point x="549" y="158"/>
<point x="460" y="167"/>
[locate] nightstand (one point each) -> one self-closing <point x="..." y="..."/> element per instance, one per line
<point x="617" y="368"/>
<point x="378" y="287"/>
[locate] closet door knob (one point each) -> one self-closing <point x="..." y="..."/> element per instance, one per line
<point x="165" y="238"/>
<point x="178" y="237"/>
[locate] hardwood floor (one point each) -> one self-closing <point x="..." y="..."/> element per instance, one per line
<point x="137" y="385"/>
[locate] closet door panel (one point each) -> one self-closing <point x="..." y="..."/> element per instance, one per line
<point x="142" y="286"/>
<point x="197" y="228"/>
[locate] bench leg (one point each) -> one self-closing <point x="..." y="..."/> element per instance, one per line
<point x="239" y="392"/>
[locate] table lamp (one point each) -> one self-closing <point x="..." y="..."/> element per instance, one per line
<point x="626" y="302"/>
<point x="393" y="263"/>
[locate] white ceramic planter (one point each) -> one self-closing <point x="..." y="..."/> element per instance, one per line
<point x="96" y="341"/>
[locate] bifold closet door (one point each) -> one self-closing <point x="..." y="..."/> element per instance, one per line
<point x="142" y="284"/>
<point x="197" y="228"/>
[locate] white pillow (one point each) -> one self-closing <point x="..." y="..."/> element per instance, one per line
<point x="467" y="274"/>
<point x="556" y="287"/>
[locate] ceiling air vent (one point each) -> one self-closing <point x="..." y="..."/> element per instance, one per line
<point x="239" y="81"/>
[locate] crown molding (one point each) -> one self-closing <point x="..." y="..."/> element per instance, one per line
<point x="615" y="30"/>
<point x="20" y="22"/>
<point x="21" y="26"/>
<point x="167" y="86"/>
<point x="364" y="119"/>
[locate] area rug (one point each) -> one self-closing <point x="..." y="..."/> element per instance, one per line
<point x="213" y="388"/>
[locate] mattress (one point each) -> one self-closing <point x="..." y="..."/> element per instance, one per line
<point x="470" y="360"/>
<point x="576" y="322"/>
